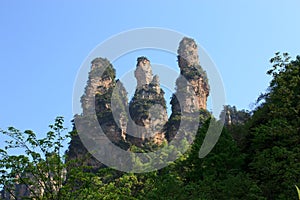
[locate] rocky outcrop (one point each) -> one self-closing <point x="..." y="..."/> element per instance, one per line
<point x="98" y="83"/>
<point x="106" y="99"/>
<point x="143" y="121"/>
<point x="191" y="70"/>
<point x="147" y="108"/>
<point x="233" y="116"/>
<point x="143" y="72"/>
<point x="192" y="88"/>
<point x="187" y="53"/>
<point x="109" y="98"/>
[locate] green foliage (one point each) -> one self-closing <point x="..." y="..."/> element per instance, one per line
<point x="140" y="105"/>
<point x="273" y="139"/>
<point x="103" y="69"/>
<point x="40" y="171"/>
<point x="194" y="72"/>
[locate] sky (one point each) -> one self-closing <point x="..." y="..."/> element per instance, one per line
<point x="44" y="43"/>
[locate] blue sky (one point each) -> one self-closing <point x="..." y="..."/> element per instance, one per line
<point x="43" y="44"/>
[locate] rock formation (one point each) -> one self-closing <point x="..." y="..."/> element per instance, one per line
<point x="147" y="108"/>
<point x="192" y="71"/>
<point x="233" y="116"/>
<point x="143" y="72"/>
<point x="192" y="88"/>
<point x="106" y="99"/>
<point x="143" y="122"/>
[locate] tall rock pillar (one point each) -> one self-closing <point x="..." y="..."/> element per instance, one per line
<point x="147" y="108"/>
<point x="192" y="88"/>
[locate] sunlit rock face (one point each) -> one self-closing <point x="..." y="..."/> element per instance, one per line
<point x="190" y="68"/>
<point x="143" y="72"/>
<point x="104" y="102"/>
<point x="192" y="88"/>
<point x="147" y="107"/>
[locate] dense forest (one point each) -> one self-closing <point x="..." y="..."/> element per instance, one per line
<point x="256" y="157"/>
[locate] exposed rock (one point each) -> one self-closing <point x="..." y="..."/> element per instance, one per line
<point x="155" y="84"/>
<point x="106" y="99"/>
<point x="190" y="68"/>
<point x="143" y="72"/>
<point x="188" y="53"/>
<point x="147" y="108"/>
<point x="100" y="79"/>
<point x="110" y="109"/>
<point x="192" y="87"/>
<point x="233" y="116"/>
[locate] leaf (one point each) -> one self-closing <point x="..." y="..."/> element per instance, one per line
<point x="298" y="190"/>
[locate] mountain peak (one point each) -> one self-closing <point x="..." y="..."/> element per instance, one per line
<point x="143" y="72"/>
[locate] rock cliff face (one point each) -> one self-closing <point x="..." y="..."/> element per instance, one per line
<point x="106" y="99"/>
<point x="147" y="108"/>
<point x="143" y="72"/>
<point x="192" y="88"/>
<point x="98" y="83"/>
<point x="192" y="71"/>
<point x="234" y="116"/>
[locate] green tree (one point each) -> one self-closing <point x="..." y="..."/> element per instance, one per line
<point x="273" y="148"/>
<point x="39" y="172"/>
